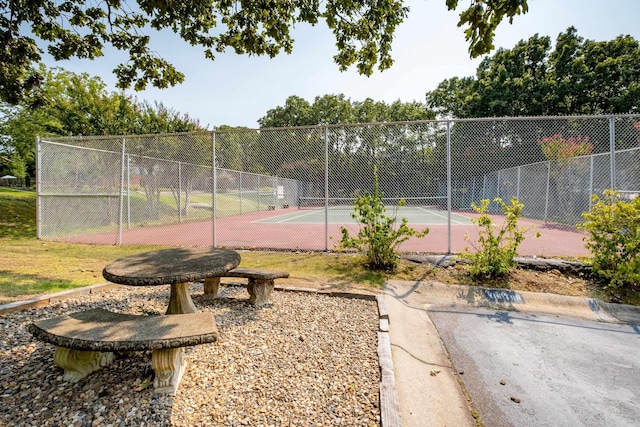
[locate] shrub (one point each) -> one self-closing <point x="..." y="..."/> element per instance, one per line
<point x="378" y="237"/>
<point x="495" y="251"/>
<point x="557" y="147"/>
<point x="613" y="228"/>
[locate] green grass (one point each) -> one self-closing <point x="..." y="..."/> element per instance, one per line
<point x="17" y="214"/>
<point x="165" y="212"/>
<point x="30" y="267"/>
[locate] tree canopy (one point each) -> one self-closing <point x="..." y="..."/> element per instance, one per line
<point x="576" y="76"/>
<point x="363" y="30"/>
<point x="336" y="109"/>
<point x="79" y="104"/>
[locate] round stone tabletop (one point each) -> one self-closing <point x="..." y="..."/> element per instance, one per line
<point x="171" y="266"/>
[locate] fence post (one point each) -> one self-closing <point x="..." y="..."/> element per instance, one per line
<point x="473" y="193"/>
<point x="546" y="197"/>
<point x="326" y="188"/>
<point x="484" y="187"/>
<point x="448" y="187"/>
<point x="240" y="191"/>
<point x="214" y="189"/>
<point x="590" y="179"/>
<point x="518" y="185"/>
<point x="128" y="192"/>
<point x="121" y="198"/>
<point x="179" y="191"/>
<point x="274" y="190"/>
<point x="612" y="150"/>
<point x="38" y="188"/>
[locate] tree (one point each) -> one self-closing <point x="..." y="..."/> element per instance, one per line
<point x="182" y="146"/>
<point x="534" y="78"/>
<point x="577" y="76"/>
<point x="363" y="30"/>
<point x="17" y="167"/>
<point x="78" y="104"/>
<point x="353" y="151"/>
<point x="590" y="77"/>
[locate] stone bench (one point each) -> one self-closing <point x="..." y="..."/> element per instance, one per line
<point x="86" y="341"/>
<point x="259" y="285"/>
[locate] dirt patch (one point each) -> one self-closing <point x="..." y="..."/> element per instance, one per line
<point x="520" y="279"/>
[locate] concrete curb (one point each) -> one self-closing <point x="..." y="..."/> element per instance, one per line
<point x="531" y="302"/>
<point x="41" y="301"/>
<point x="389" y="401"/>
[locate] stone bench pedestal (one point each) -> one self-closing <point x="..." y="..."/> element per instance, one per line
<point x="86" y="341"/>
<point x="259" y="285"/>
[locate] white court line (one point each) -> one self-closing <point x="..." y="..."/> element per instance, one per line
<point x="287" y="218"/>
<point x="442" y="216"/>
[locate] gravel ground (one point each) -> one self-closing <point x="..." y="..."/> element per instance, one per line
<point x="308" y="360"/>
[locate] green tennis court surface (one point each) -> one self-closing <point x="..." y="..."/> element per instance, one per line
<point x="415" y="215"/>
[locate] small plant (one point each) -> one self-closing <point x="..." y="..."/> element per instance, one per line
<point x="495" y="251"/>
<point x="613" y="226"/>
<point x="378" y="237"/>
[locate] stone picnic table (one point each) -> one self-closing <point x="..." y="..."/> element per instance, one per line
<point x="176" y="267"/>
<point x="87" y="341"/>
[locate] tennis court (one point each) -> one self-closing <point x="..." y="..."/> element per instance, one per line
<point x="415" y="215"/>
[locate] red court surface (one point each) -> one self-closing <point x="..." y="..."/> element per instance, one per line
<point x="242" y="232"/>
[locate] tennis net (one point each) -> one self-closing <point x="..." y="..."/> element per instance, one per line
<point x="398" y="203"/>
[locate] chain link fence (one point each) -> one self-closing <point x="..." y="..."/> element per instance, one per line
<point x="219" y="188"/>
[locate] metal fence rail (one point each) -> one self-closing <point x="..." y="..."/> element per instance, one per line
<point x="106" y="186"/>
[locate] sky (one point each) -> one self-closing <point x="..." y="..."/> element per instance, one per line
<point x="429" y="48"/>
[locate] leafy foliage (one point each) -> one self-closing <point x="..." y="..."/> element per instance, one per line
<point x="495" y="251"/>
<point x="337" y="109"/>
<point x="378" y="237"/>
<point x="576" y="77"/>
<point x="364" y="33"/>
<point x="483" y="17"/>
<point x="613" y="228"/>
<point x="557" y="147"/>
<point x="78" y="104"/>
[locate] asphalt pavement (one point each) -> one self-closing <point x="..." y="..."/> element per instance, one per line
<point x="466" y="356"/>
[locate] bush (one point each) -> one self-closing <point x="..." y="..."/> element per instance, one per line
<point x="378" y="237"/>
<point x="495" y="252"/>
<point x="613" y="226"/>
